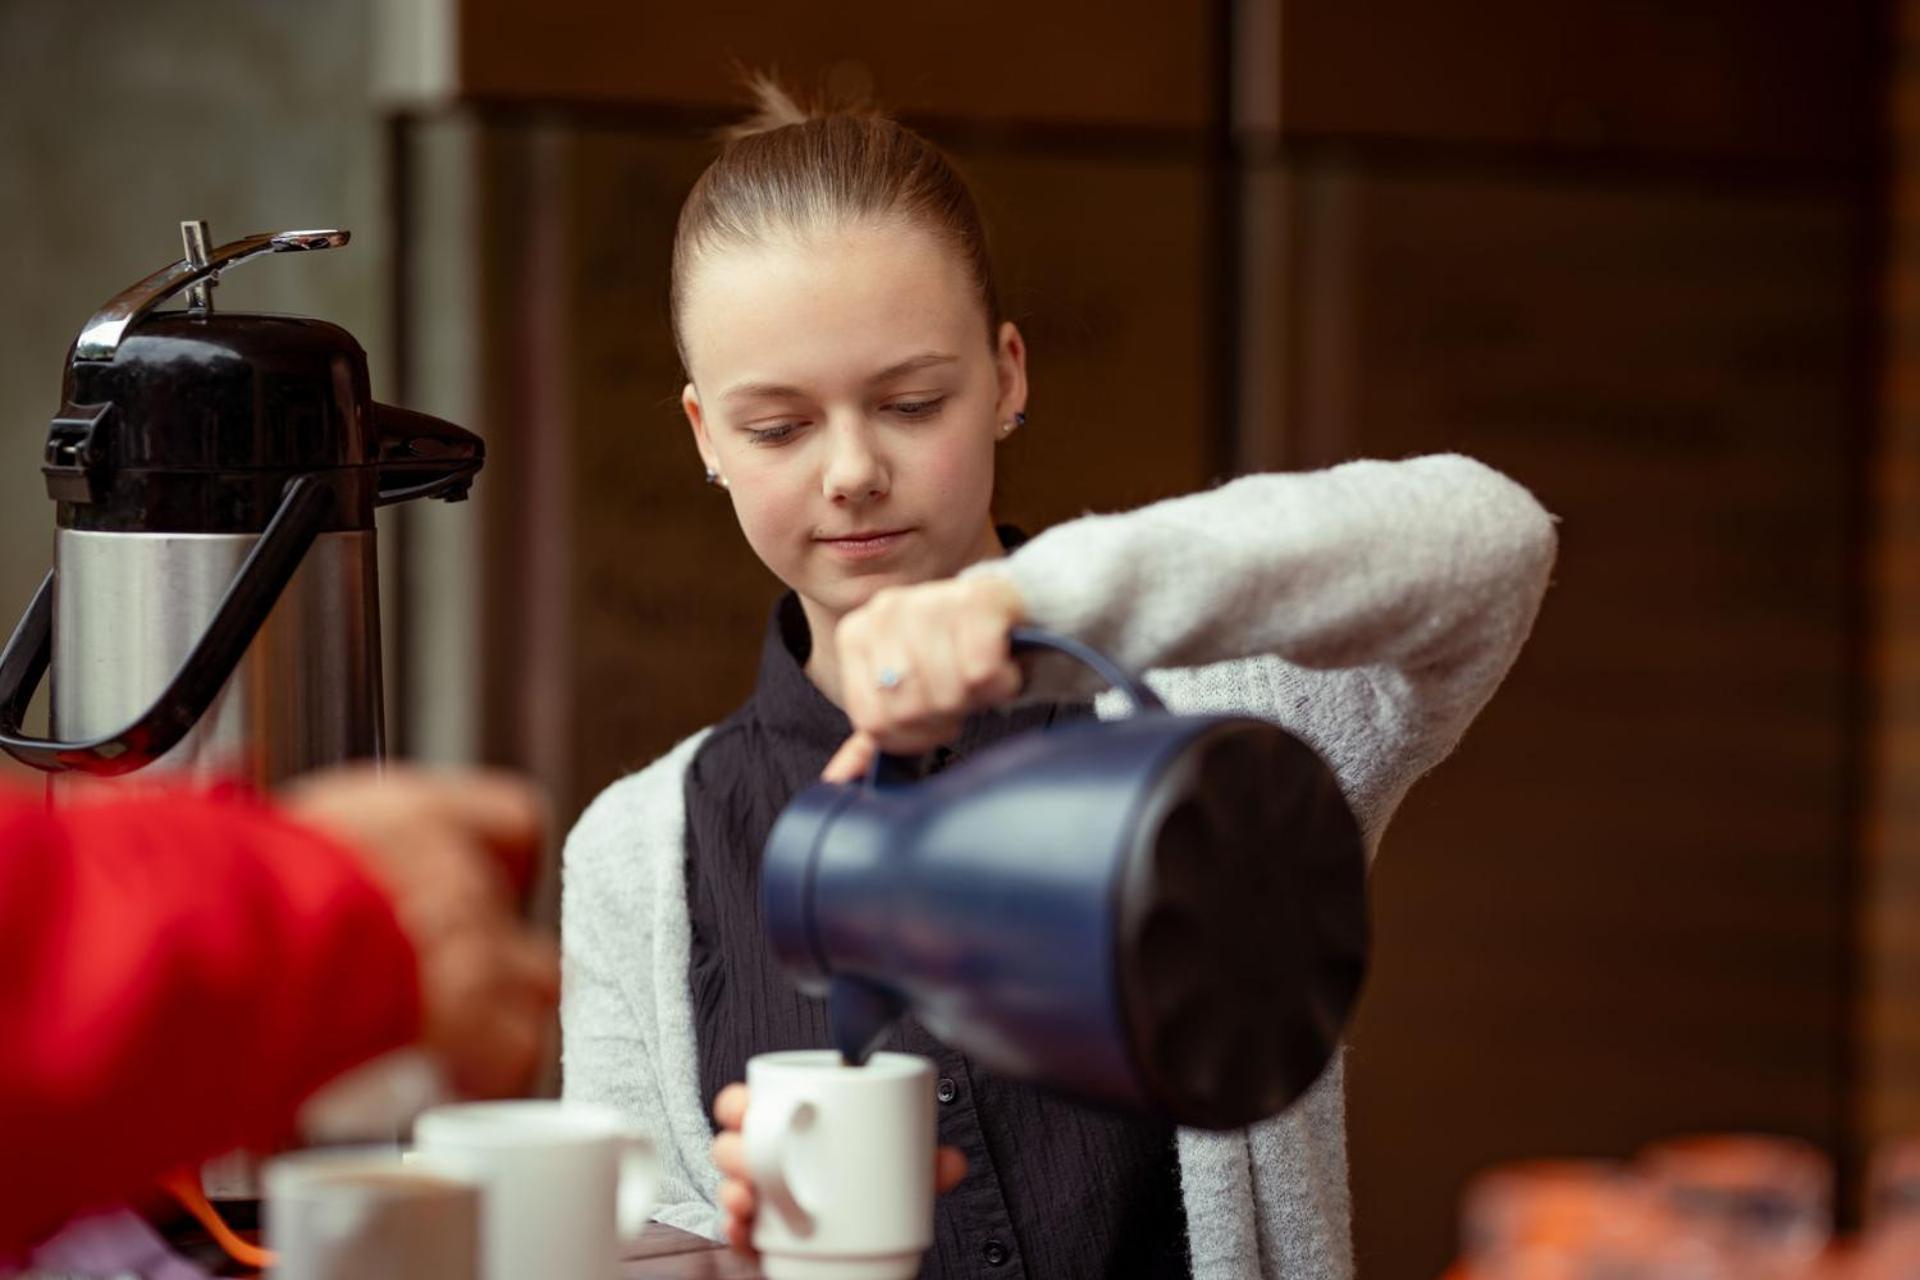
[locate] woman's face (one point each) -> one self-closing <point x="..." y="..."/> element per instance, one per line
<point x="844" y="387"/>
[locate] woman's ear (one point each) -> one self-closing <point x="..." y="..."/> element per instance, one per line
<point x="702" y="440"/>
<point x="1010" y="367"/>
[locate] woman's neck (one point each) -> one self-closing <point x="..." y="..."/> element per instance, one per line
<point x="823" y="661"/>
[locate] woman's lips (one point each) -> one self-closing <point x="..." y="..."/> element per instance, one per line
<point x="866" y="546"/>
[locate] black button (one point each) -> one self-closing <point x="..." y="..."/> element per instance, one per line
<point x="946" y="1090"/>
<point x="995" y="1253"/>
<point x="942" y="757"/>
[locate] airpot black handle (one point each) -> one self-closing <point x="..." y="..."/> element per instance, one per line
<point x="305" y="509"/>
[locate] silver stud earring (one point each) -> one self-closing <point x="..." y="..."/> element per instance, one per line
<point x="1019" y="419"/>
<point x="715" y="478"/>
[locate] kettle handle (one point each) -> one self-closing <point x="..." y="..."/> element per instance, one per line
<point x="891" y="770"/>
<point x="304" y="510"/>
<point x="1030" y="639"/>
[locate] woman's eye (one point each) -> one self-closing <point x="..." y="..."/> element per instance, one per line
<point x="917" y="408"/>
<point x="772" y="435"/>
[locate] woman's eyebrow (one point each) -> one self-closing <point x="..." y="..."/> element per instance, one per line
<point x="771" y="390"/>
<point x="752" y="390"/>
<point x="913" y="364"/>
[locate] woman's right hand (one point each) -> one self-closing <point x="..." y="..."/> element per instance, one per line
<point x="737" y="1199"/>
<point x="915" y="661"/>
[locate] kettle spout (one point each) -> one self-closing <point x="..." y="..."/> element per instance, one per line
<point x="859" y="1015"/>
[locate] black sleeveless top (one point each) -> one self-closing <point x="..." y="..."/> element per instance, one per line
<point x="1053" y="1190"/>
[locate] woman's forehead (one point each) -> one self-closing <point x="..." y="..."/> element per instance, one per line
<point x="825" y="304"/>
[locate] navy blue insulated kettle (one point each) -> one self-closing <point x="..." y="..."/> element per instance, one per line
<point x="1164" y="913"/>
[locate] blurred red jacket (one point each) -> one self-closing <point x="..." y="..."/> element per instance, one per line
<point x="177" y="973"/>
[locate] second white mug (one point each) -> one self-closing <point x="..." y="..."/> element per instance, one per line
<point x="362" y="1214"/>
<point x="564" y="1184"/>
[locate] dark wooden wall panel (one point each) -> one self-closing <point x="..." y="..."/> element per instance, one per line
<point x="668" y="600"/>
<point x="1103" y="264"/>
<point x="1773" y="80"/>
<point x="1135" y="62"/>
<point x="1890" y="1014"/>
<point x="1621" y="911"/>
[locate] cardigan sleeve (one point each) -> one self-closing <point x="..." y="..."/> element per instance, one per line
<point x="1401" y="563"/>
<point x="626" y="1018"/>
<point x="1422" y="577"/>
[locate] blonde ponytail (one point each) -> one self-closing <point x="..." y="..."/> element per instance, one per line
<point x="774" y="107"/>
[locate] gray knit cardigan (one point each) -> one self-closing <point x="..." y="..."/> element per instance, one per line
<point x="1371" y="609"/>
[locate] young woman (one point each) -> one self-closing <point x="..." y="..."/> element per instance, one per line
<point x="849" y="377"/>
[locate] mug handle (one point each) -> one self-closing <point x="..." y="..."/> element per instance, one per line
<point x="639" y="1187"/>
<point x="766" y="1134"/>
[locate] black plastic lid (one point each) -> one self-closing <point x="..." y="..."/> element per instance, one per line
<point x="197" y="422"/>
<point x="226" y="392"/>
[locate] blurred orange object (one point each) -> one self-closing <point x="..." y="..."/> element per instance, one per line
<point x="1839" y="1262"/>
<point x="184" y="1186"/>
<point x="1893" y="1185"/>
<point x="1573" y="1220"/>
<point x="1891" y="1247"/>
<point x="1763" y="1204"/>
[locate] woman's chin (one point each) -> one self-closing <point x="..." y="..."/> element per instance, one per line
<point x="841" y="593"/>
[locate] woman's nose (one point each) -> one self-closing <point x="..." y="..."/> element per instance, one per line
<point x="855" y="470"/>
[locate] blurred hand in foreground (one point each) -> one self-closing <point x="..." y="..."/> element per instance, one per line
<point x="454" y="852"/>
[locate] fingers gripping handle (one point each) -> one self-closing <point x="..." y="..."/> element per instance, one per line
<point x="768" y="1135"/>
<point x="889" y="770"/>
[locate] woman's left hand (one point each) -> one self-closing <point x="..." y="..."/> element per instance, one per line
<point x="915" y="661"/>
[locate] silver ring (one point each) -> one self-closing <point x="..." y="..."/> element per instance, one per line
<point x="891" y="678"/>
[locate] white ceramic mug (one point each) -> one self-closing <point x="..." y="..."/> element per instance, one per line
<point x="360" y="1214"/>
<point x="842" y="1160"/>
<point x="565" y="1184"/>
